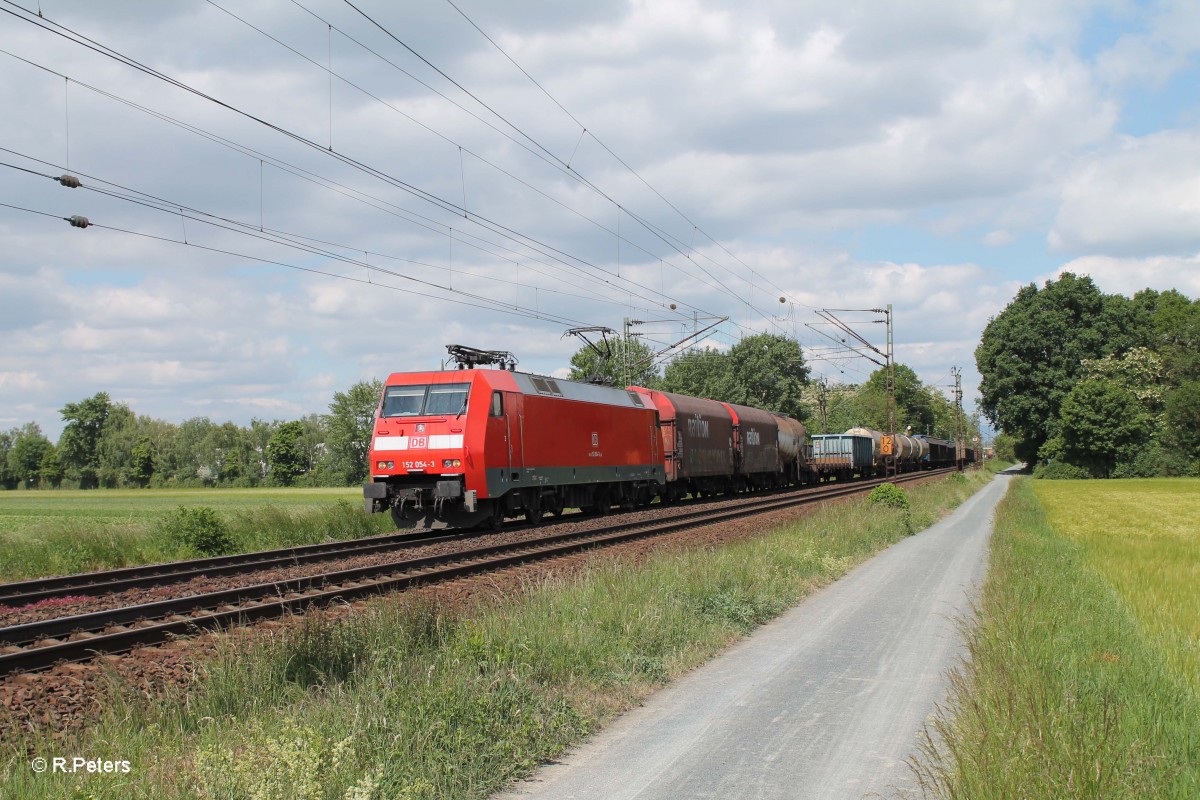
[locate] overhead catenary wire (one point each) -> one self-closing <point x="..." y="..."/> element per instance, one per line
<point x="516" y="236"/>
<point x="653" y="229"/>
<point x="288" y="239"/>
<point x="312" y="270"/>
<point x="585" y="131"/>
<point x="445" y="205"/>
<point x="549" y="252"/>
<point x="545" y="154"/>
<point x="541" y="152"/>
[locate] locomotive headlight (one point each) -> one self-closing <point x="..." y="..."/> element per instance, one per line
<point x="386" y="465"/>
<point x="451" y="462"/>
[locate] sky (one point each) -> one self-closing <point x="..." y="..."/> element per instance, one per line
<point x="286" y="197"/>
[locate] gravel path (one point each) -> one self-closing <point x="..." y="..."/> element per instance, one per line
<point x="825" y="702"/>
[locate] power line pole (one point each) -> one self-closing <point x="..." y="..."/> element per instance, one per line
<point x="889" y="450"/>
<point x="847" y="341"/>
<point x="823" y="403"/>
<point x="960" y="444"/>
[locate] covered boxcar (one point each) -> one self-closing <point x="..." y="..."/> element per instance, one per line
<point x="941" y="453"/>
<point x="460" y="448"/>
<point x="756" y="444"/>
<point x="697" y="442"/>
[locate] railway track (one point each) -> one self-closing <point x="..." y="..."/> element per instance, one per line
<point x="92" y="584"/>
<point x="39" y="645"/>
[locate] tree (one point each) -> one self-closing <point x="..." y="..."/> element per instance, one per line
<point x="115" y="449"/>
<point x="286" y="455"/>
<point x="1182" y="418"/>
<point x="1003" y="448"/>
<point x="767" y="371"/>
<point x="50" y="471"/>
<point x="7" y="479"/>
<point x="350" y="422"/>
<point x="1030" y="355"/>
<point x="142" y="458"/>
<point x="312" y="444"/>
<point x="1101" y="424"/>
<point x="699" y="372"/>
<point x="915" y="404"/>
<point x="1140" y="372"/>
<point x="25" y="458"/>
<point x="627" y="363"/>
<point x="1176" y="326"/>
<point x="79" y="444"/>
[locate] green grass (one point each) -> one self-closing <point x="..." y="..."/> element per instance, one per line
<point x="1067" y="692"/>
<point x="63" y="532"/>
<point x="407" y="700"/>
<point x="1143" y="537"/>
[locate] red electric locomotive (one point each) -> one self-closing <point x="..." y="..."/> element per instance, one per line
<point x="466" y="447"/>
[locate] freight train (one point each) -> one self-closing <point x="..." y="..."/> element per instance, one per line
<point x="471" y="447"/>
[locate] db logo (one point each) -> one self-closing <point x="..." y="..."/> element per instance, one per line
<point x="418" y="442"/>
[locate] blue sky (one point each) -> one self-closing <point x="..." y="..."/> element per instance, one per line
<point x="933" y="156"/>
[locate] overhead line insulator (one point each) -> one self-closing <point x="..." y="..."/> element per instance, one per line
<point x="69" y="181"/>
<point x="78" y="221"/>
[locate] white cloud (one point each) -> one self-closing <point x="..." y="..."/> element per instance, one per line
<point x="786" y="131"/>
<point x="1169" y="36"/>
<point x="1138" y="199"/>
<point x="1129" y="275"/>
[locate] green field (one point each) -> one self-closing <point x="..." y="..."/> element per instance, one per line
<point x="62" y="532"/>
<point x="1143" y="538"/>
<point x="1084" y="678"/>
<point x="20" y="510"/>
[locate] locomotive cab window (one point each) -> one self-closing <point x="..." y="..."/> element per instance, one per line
<point x="425" y="400"/>
<point x="497" y="404"/>
<point x="447" y="398"/>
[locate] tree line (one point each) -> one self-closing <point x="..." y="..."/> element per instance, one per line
<point x="769" y="371"/>
<point x="1089" y="384"/>
<point x="105" y="444"/>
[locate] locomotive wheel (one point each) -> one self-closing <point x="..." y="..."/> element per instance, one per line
<point x="533" y="516"/>
<point x="398" y="518"/>
<point x="494" y="519"/>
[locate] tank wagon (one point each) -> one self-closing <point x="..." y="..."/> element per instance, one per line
<point x="907" y="450"/>
<point x="795" y="453"/>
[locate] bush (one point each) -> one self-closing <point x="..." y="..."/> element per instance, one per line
<point x="1155" y="461"/>
<point x="200" y="529"/>
<point x="889" y="495"/>
<point x="1060" y="471"/>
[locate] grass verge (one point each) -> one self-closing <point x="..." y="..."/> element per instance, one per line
<point x="409" y="700"/>
<point x="1065" y="694"/>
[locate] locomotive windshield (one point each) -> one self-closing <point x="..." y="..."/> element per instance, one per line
<point x="425" y="400"/>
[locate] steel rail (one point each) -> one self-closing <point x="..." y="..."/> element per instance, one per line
<point x="36" y="645"/>
<point x="104" y="582"/>
<point x="91" y="584"/>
